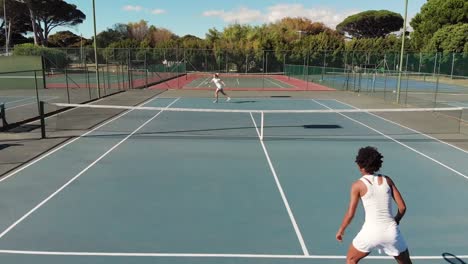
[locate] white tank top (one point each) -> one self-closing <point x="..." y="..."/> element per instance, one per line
<point x="377" y="201"/>
<point x="217" y="82"/>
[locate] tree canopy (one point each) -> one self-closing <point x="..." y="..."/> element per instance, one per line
<point x="67" y="38"/>
<point x="435" y="15"/>
<point x="440" y="26"/>
<point x="17" y="23"/>
<point x="371" y="24"/>
<point x="40" y="17"/>
<point x="453" y="38"/>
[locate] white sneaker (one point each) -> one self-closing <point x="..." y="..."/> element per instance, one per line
<point x="215" y="101"/>
<point x="228" y="99"/>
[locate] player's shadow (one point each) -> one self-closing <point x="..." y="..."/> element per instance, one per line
<point x="243" y="102"/>
<point x="451" y="258"/>
<point x="4" y="146"/>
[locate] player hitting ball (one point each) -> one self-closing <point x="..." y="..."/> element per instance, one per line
<point x="381" y="229"/>
<point x="219" y="87"/>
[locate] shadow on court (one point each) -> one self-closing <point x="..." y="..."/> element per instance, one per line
<point x="451" y="258"/>
<point x="243" y="102"/>
<point x="4" y="146"/>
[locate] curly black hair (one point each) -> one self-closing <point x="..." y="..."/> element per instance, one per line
<point x="369" y="159"/>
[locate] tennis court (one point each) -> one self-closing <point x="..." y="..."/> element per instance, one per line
<point x="167" y="186"/>
<point x="242" y="82"/>
<point x="12" y="102"/>
<point x="415" y="82"/>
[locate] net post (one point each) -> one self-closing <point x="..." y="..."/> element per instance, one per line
<point x="262" y="125"/>
<point x="3" y="116"/>
<point x="42" y="117"/>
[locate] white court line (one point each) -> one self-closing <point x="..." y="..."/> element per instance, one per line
<point x="399" y="142"/>
<point x="280" y="86"/>
<point x="24" y="99"/>
<point x="204" y="81"/>
<point x="395" y="123"/>
<point x="283" y="195"/>
<point x="20" y="77"/>
<point x="201" y="255"/>
<point x="287" y="84"/>
<point x="440" y="93"/>
<point x="69" y="142"/>
<point x="80" y="173"/>
<point x="35" y="102"/>
<point x="71" y="109"/>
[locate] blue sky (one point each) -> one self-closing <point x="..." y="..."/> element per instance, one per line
<point x="196" y="17"/>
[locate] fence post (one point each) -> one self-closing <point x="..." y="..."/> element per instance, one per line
<point x="263" y="70"/>
<point x="246" y="62"/>
<point x="177" y="66"/>
<point x="226" y="60"/>
<point x="307" y="70"/>
<point x="284" y="62"/>
<point x="453" y="65"/>
<point x="36" y="88"/>
<point x="44" y="82"/>
<point x="420" y="61"/>
<point x="436" y="90"/>
<point x="87" y="81"/>
<point x="146" y="70"/>
<point x="129" y="65"/>
<point x="324" y="64"/>
<point x="42" y="117"/>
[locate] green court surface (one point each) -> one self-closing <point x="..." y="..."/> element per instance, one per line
<point x="77" y="79"/>
<point x="175" y="187"/>
<point x="20" y="63"/>
<point x="240" y="82"/>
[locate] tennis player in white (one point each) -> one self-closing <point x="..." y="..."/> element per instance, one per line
<point x="380" y="230"/>
<point x="219" y="87"/>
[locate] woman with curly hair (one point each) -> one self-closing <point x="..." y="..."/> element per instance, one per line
<point x="380" y="230"/>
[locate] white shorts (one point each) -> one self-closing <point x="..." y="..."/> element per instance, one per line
<point x="219" y="89"/>
<point x="389" y="240"/>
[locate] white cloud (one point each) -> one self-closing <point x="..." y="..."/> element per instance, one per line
<point x="241" y="15"/>
<point x="158" y="11"/>
<point x="325" y="15"/>
<point x="274" y="13"/>
<point x="136" y="8"/>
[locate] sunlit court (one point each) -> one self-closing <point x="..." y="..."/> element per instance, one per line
<point x="233" y="133"/>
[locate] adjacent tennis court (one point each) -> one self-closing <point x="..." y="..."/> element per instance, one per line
<point x="415" y="82"/>
<point x="200" y="186"/>
<point x="241" y="81"/>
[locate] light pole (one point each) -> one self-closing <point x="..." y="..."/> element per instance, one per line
<point x="95" y="51"/>
<point x="400" y="67"/>
<point x="6" y="26"/>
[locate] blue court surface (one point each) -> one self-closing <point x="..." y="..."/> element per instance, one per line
<point x="174" y="187"/>
<point x="380" y="83"/>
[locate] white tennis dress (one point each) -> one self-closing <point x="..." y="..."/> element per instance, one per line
<point x="217" y="82"/>
<point x="380" y="231"/>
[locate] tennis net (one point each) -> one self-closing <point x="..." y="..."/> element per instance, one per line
<point x="236" y="75"/>
<point x="169" y="121"/>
